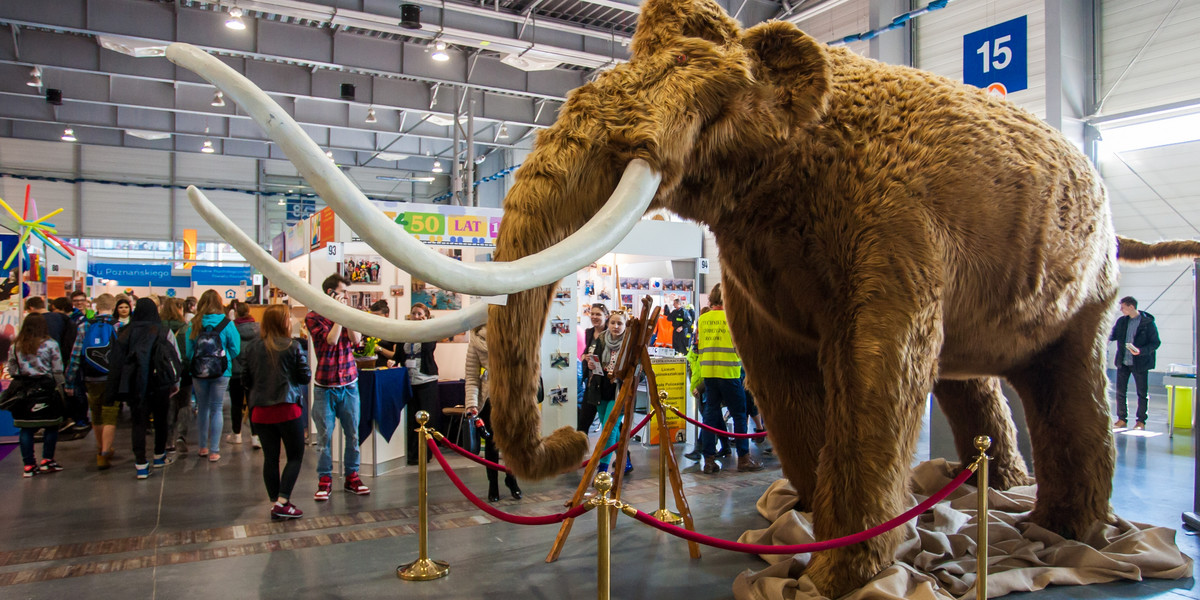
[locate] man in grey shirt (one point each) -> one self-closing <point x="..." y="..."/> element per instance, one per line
<point x="1137" y="339"/>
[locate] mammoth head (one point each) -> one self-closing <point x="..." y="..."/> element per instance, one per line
<point x="697" y="91"/>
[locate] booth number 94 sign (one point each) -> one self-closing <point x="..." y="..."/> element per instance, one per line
<point x="997" y="58"/>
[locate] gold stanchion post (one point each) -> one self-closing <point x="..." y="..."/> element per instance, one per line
<point x="603" y="483"/>
<point x="662" y="514"/>
<point x="423" y="569"/>
<point x="983" y="443"/>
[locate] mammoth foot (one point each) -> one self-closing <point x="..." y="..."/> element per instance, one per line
<point x="1069" y="522"/>
<point x="1006" y="476"/>
<point x="841" y="571"/>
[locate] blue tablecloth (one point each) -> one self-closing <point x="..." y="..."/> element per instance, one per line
<point x="382" y="395"/>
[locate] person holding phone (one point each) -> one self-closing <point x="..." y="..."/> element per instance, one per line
<point x="1137" y="340"/>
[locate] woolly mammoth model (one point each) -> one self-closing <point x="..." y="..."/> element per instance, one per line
<point x="883" y="233"/>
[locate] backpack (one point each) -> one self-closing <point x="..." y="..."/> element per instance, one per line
<point x="165" y="365"/>
<point x="209" y="360"/>
<point x="100" y="337"/>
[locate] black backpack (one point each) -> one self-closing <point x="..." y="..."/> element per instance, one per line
<point x="165" y="365"/>
<point x="209" y="360"/>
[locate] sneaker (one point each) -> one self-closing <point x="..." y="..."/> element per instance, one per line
<point x="67" y="425"/>
<point x="202" y="452"/>
<point x="48" y="465"/>
<point x="355" y="485"/>
<point x="30" y="471"/>
<point x="162" y="460"/>
<point x="694" y="454"/>
<point x="747" y="464"/>
<point x="285" y="511"/>
<point x="143" y="471"/>
<point x="1140" y="426"/>
<point x="181" y="446"/>
<point x="254" y="443"/>
<point x="214" y="456"/>
<point x="323" y="488"/>
<point x="1120" y="424"/>
<point x="711" y="466"/>
<point x="82" y="427"/>
<point x="234" y="438"/>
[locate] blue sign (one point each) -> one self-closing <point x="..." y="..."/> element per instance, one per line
<point x="205" y="275"/>
<point x="131" y="274"/>
<point x="998" y="55"/>
<point x="299" y="209"/>
<point x="171" y="292"/>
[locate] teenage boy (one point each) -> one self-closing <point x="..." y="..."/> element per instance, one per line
<point x="336" y="394"/>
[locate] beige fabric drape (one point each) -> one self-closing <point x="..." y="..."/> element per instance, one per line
<point x="937" y="559"/>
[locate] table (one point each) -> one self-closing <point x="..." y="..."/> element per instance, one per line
<point x="383" y="394"/>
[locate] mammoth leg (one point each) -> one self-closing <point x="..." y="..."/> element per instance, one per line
<point x="878" y="360"/>
<point x="977" y="407"/>
<point x="1063" y="391"/>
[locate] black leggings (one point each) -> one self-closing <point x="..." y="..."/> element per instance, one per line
<point x="490" y="451"/>
<point x="155" y="405"/>
<point x="238" y="405"/>
<point x="291" y="435"/>
<point x="587" y="414"/>
<point x="424" y="398"/>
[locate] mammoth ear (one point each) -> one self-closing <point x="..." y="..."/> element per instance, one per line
<point x="662" y="22"/>
<point x="794" y="64"/>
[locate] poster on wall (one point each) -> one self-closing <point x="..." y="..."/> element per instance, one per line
<point x="295" y="242"/>
<point x="671" y="376"/>
<point x="362" y="269"/>
<point x="323" y="225"/>
<point x="435" y="298"/>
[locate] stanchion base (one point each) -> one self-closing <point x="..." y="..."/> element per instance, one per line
<point x="667" y="516"/>
<point x="424" y="569"/>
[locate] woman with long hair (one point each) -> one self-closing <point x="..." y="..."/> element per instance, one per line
<point x="423" y="376"/>
<point x="122" y="312"/>
<point x="209" y="387"/>
<point x="136" y="377"/>
<point x="179" y="413"/>
<point x="477" y="394"/>
<point x="276" y="373"/>
<point x="35" y="364"/>
<point x="587" y="411"/>
<point x="248" y="330"/>
<point x="601" y="359"/>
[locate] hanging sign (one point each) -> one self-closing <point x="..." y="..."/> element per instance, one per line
<point x="334" y="251"/>
<point x="997" y="58"/>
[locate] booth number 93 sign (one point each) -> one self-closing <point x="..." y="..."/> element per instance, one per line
<point x="997" y="58"/>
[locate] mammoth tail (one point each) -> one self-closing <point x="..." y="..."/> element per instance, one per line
<point x="1134" y="251"/>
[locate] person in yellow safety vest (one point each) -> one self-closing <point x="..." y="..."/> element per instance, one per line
<point x="696" y="382"/>
<point x="721" y="369"/>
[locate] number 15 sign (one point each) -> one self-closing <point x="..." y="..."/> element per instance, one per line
<point x="998" y="55"/>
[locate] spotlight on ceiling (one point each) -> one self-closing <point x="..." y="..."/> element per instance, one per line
<point x="35" y="78"/>
<point x="410" y="16"/>
<point x="503" y="134"/>
<point x="437" y="166"/>
<point x="329" y="154"/>
<point x="371" y="116"/>
<point x="439" y="53"/>
<point x="282" y="202"/>
<point x="235" y="19"/>
<point x="68" y="135"/>
<point x="207" y="148"/>
<point x="218" y="98"/>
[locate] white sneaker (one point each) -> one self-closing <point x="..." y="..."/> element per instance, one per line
<point x="234" y="438"/>
<point x="254" y="442"/>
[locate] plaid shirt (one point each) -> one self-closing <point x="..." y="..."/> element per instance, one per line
<point x="335" y="362"/>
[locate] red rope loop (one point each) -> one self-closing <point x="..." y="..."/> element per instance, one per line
<point x="730" y="434"/>
<point x="487" y="508"/>
<point x="610" y="449"/>
<point x="861" y="536"/>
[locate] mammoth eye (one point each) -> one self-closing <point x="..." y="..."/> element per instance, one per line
<point x="681" y="59"/>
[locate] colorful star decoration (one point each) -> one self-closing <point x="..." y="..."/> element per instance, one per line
<point x="30" y="224"/>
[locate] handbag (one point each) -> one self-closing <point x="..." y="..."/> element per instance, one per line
<point x="34" y="401"/>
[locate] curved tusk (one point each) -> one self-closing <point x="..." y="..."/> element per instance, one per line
<point x="357" y="320"/>
<point x="601" y="234"/>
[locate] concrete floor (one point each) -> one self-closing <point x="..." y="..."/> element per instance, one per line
<point x="84" y="533"/>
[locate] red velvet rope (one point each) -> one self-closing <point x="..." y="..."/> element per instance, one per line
<point x="862" y="536"/>
<point x="499" y="467"/>
<point x="503" y="516"/>
<point x="749" y="436"/>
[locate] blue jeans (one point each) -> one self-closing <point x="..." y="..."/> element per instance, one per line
<point x="210" y="400"/>
<point x="48" y="442"/>
<point x="730" y="393"/>
<point x="339" y="403"/>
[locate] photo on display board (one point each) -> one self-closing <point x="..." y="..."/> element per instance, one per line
<point x="558" y="396"/>
<point x="362" y="300"/>
<point x="606" y="270"/>
<point x="396" y="291"/>
<point x="362" y="269"/>
<point x="435" y="298"/>
<point x="562" y="294"/>
<point x="560" y="360"/>
<point x="589" y="287"/>
<point x="560" y="326"/>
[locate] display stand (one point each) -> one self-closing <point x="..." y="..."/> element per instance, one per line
<point x="631" y="362"/>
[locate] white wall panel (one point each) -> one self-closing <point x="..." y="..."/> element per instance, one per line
<point x="37" y="157"/>
<point x="1154" y="196"/>
<point x="125" y="164"/>
<point x="126" y="212"/>
<point x="840" y="21"/>
<point x="240" y="208"/>
<point x="939" y="42"/>
<point x="191" y="167"/>
<point x="1166" y="71"/>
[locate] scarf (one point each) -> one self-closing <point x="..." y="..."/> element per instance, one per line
<point x="612" y="348"/>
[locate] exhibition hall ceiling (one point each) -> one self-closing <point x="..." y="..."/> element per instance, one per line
<point x="368" y="89"/>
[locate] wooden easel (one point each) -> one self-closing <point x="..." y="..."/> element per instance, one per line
<point x="633" y="356"/>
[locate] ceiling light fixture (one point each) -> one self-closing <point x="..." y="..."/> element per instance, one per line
<point x="282" y="202"/>
<point x="207" y="148"/>
<point x="35" y="78"/>
<point x="439" y="53"/>
<point x="235" y="19"/>
<point x="503" y="131"/>
<point x="68" y="135"/>
<point x="329" y="154"/>
<point x="218" y="98"/>
<point x="371" y="116"/>
<point x="437" y="166"/>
